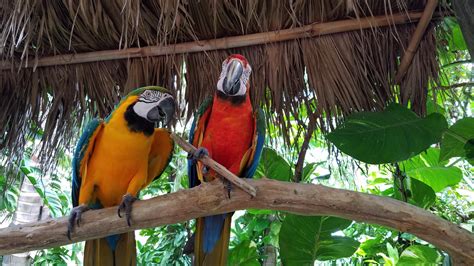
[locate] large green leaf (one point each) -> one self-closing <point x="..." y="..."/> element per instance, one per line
<point x="273" y="166"/>
<point x="419" y="255"/>
<point x="437" y="177"/>
<point x="455" y="139"/>
<point x="304" y="239"/>
<point x="428" y="169"/>
<point x="393" y="135"/>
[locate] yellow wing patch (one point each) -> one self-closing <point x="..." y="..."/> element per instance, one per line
<point x="160" y="153"/>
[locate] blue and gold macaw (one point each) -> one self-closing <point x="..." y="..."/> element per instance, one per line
<point x="231" y="132"/>
<point x="115" y="159"/>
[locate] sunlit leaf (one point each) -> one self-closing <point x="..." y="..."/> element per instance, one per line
<point x="393" y="135"/>
<point x="455" y="139"/>
<point x="273" y="166"/>
<point x="419" y="255"/>
<point x="244" y="254"/>
<point x="304" y="239"/>
<point x="437" y="178"/>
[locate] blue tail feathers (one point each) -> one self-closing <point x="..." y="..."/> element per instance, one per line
<point x="212" y="231"/>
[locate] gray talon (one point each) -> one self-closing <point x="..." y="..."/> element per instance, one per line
<point x="126" y="206"/>
<point x="200" y="152"/>
<point x="75" y="218"/>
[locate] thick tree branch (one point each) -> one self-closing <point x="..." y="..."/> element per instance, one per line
<point x="211" y="198"/>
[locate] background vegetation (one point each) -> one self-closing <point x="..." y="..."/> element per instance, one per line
<point x="425" y="161"/>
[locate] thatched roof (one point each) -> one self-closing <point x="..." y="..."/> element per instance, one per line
<point x="345" y="72"/>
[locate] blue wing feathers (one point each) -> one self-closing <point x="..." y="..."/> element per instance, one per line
<point x="261" y="128"/>
<point x="79" y="153"/>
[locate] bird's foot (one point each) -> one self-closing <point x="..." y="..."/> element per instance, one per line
<point x="126" y="206"/>
<point x="198" y="154"/>
<point x="75" y="218"/>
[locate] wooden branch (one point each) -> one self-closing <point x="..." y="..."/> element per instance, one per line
<point x="312" y="30"/>
<point x="211" y="198"/>
<point x="221" y="170"/>
<point x="415" y="40"/>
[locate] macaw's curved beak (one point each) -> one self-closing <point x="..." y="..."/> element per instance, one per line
<point x="231" y="84"/>
<point x="163" y="112"/>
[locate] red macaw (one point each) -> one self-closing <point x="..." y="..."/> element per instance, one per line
<point x="227" y="128"/>
<point x="116" y="158"/>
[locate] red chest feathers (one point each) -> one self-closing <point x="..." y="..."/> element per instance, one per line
<point x="229" y="132"/>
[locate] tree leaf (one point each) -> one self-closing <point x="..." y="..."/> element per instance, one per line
<point x="304" y="239"/>
<point x="244" y="254"/>
<point x="456" y="137"/>
<point x="419" y="193"/>
<point x="456" y="42"/>
<point x="437" y="177"/>
<point x="336" y="247"/>
<point x="469" y="149"/>
<point x="393" y="135"/>
<point x="419" y="255"/>
<point x="273" y="166"/>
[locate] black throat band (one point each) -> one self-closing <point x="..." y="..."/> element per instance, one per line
<point x="137" y="123"/>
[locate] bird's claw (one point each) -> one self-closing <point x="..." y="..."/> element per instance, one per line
<point x="199" y="153"/>
<point x="228" y="186"/>
<point x="75" y="218"/>
<point x="126" y="206"/>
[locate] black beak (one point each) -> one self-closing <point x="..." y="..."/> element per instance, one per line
<point x="231" y="84"/>
<point x="163" y="112"/>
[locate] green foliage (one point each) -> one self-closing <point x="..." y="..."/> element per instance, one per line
<point x="304" y="239"/>
<point x="427" y="169"/>
<point x="244" y="254"/>
<point x="58" y="255"/>
<point x="419" y="255"/>
<point x="163" y="245"/>
<point x="393" y="135"/>
<point x="455" y="142"/>
<point x="456" y="40"/>
<point x="273" y="166"/>
<point x="416" y="193"/>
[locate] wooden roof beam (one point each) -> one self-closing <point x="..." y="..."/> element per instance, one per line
<point x="312" y="30"/>
<point x="415" y="40"/>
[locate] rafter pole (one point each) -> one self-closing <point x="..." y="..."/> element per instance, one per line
<point x="415" y="40"/>
<point x="312" y="30"/>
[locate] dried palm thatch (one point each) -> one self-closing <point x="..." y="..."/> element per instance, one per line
<point x="324" y="77"/>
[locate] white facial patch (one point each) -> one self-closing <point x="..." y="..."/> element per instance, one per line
<point x="148" y="100"/>
<point x="243" y="78"/>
